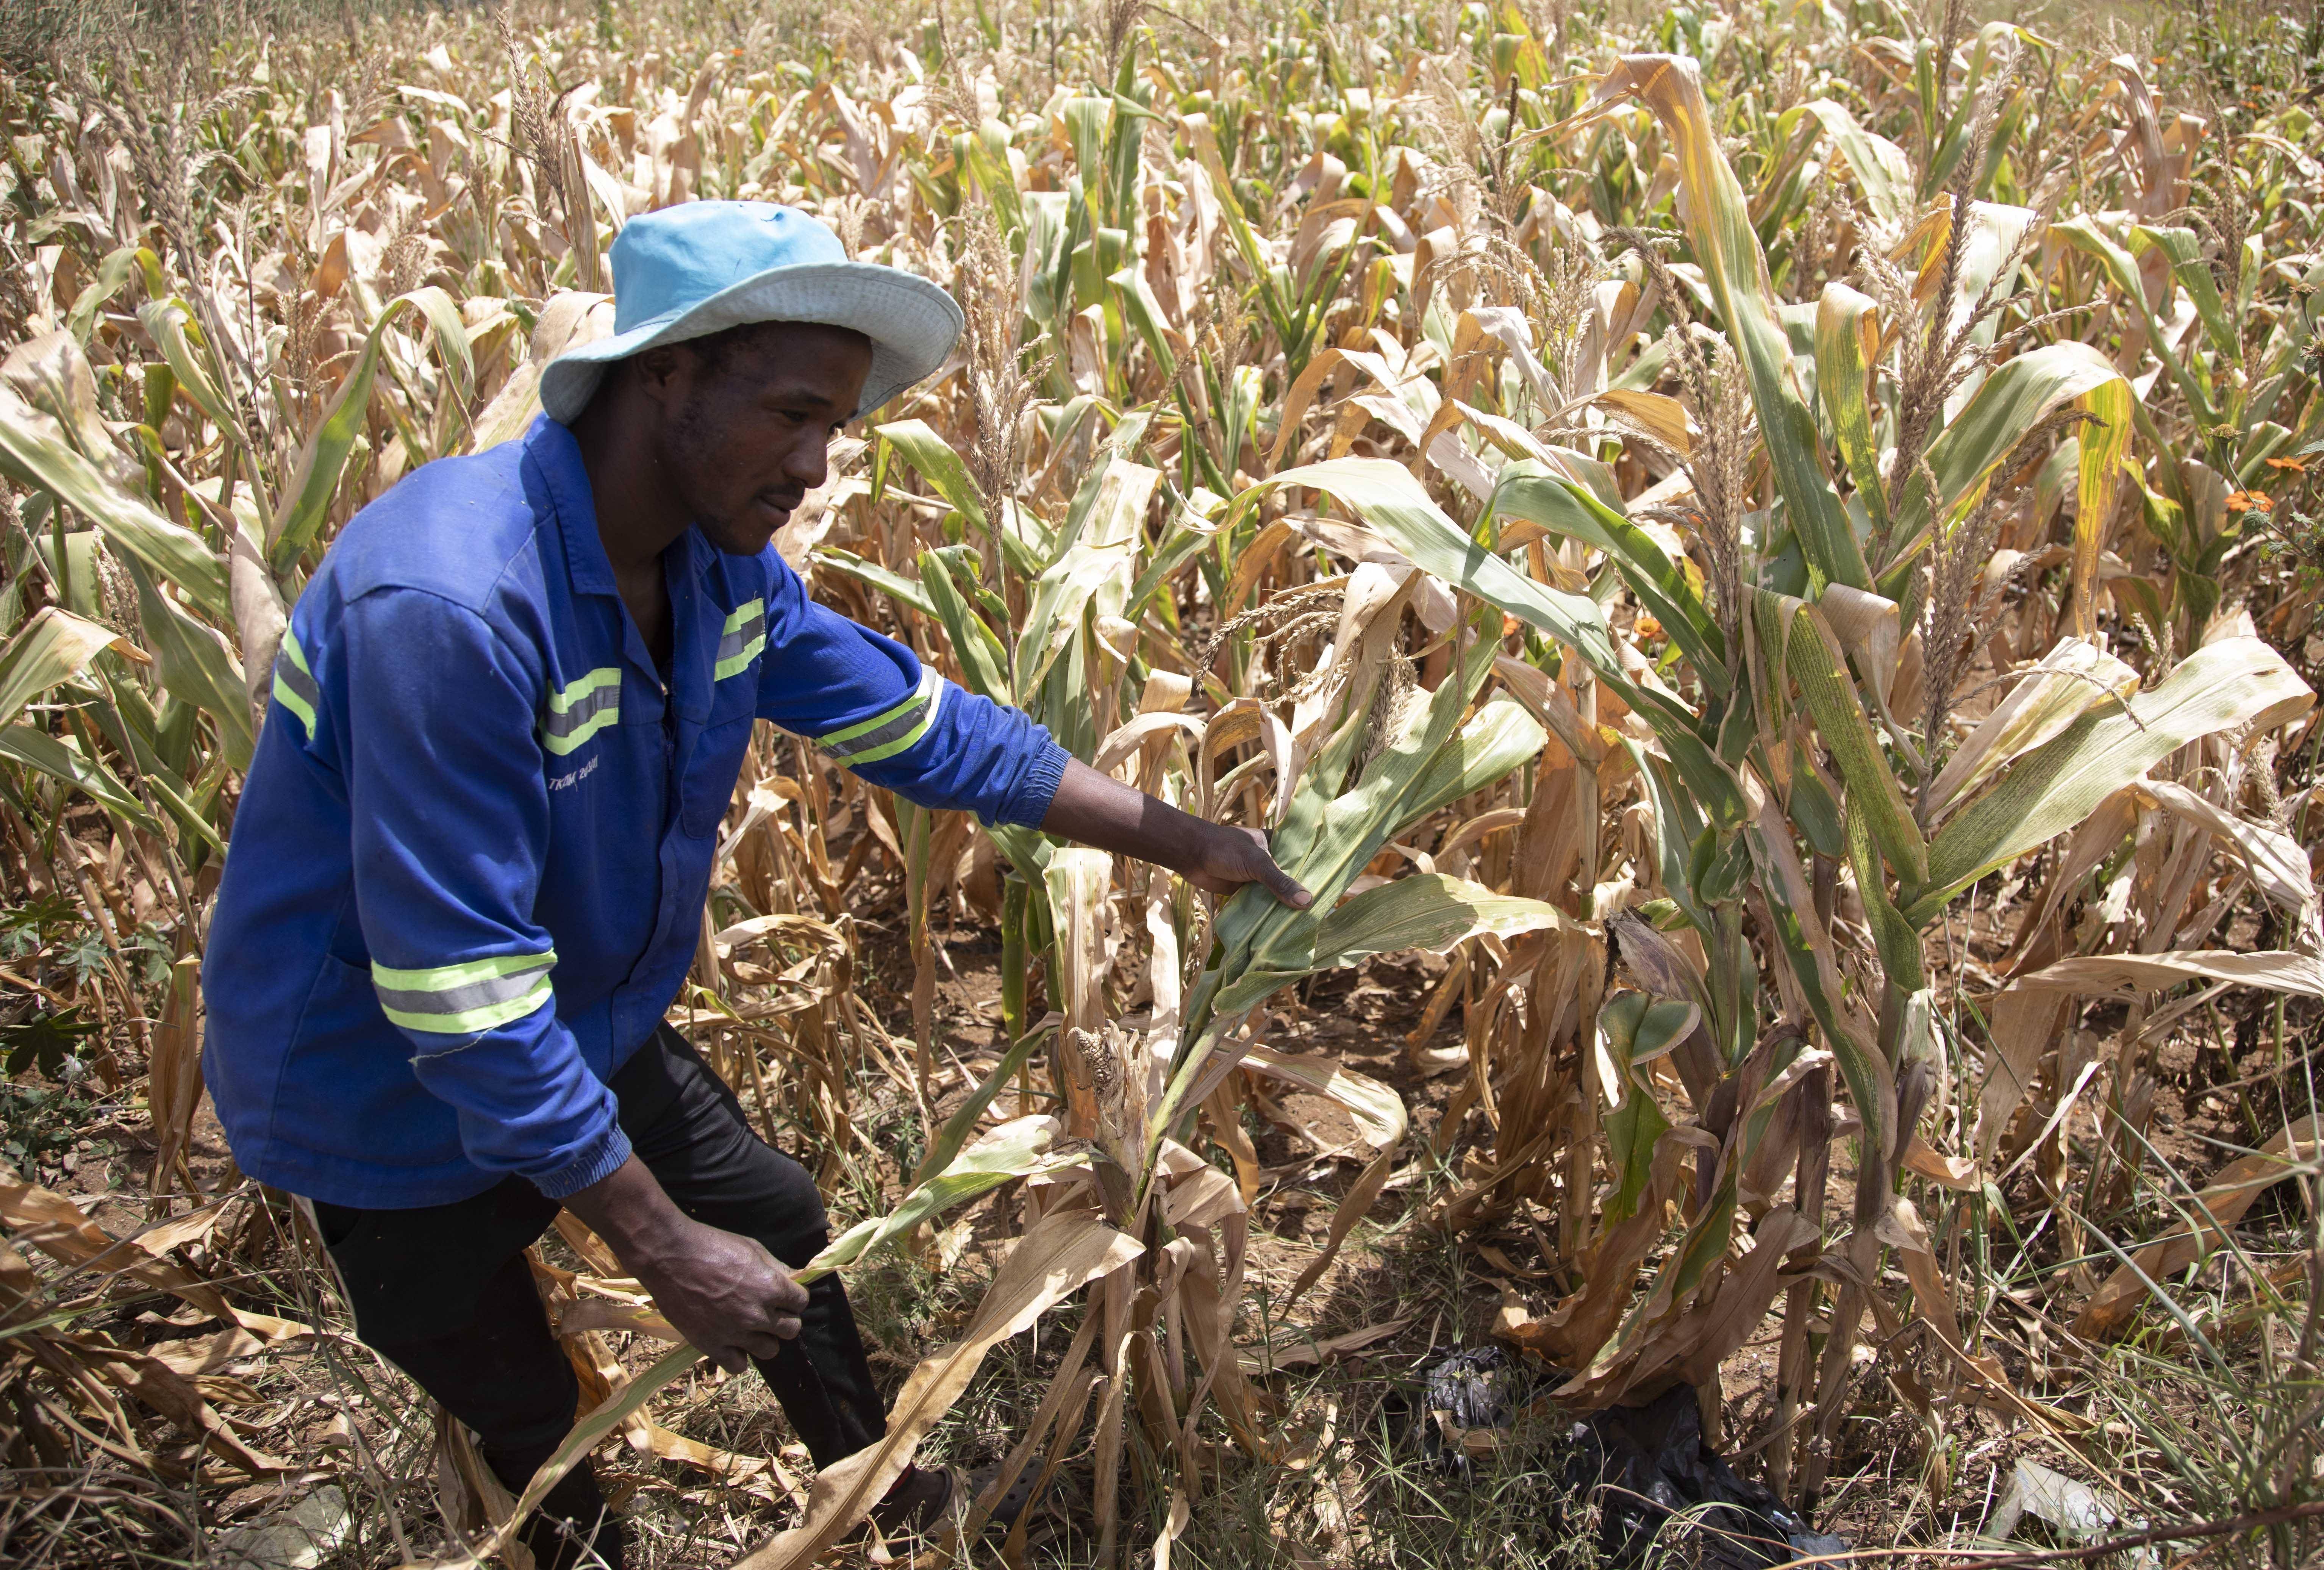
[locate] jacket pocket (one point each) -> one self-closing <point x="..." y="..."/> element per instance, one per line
<point x="709" y="784"/>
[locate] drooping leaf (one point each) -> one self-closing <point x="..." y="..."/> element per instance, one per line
<point x="1529" y="490"/>
<point x="1429" y="911"/>
<point x="54" y="646"/>
<point x="34" y="451"/>
<point x="37" y="749"/>
<point x="2233" y="682"/>
<point x="2073" y="677"/>
<point x="1847" y="341"/>
<point x="195" y="667"/>
<point x="1054" y="1259"/>
<point x="1017" y="1148"/>
<point x="934" y="457"/>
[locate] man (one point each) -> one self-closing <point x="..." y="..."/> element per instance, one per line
<point x="470" y="861"/>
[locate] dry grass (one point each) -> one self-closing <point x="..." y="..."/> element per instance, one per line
<point x="1723" y="387"/>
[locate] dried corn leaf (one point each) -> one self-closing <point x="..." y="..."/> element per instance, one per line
<point x="1055" y="1257"/>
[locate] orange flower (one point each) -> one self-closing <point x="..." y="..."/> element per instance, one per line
<point x="1510" y="625"/>
<point x="2296" y="466"/>
<point x="1649" y="627"/>
<point x="2249" y="501"/>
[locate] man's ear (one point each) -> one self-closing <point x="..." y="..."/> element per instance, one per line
<point x="661" y="371"/>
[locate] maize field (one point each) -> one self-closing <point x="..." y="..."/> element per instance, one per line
<point x="1762" y="560"/>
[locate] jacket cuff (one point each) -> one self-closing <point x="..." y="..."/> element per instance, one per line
<point x="1028" y="803"/>
<point x="599" y="1159"/>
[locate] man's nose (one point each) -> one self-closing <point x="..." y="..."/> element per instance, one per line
<point x="809" y="461"/>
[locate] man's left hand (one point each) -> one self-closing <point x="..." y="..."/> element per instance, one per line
<point x="1096" y="809"/>
<point x="1230" y="857"/>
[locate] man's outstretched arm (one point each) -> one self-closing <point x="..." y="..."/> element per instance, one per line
<point x="1096" y="809"/>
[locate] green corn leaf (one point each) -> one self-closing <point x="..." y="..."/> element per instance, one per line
<point x="983" y="662"/>
<point x="2193" y="275"/>
<point x="1529" y="491"/>
<point x="50" y="374"/>
<point x="2019" y="395"/>
<point x="2084" y="234"/>
<point x="1882" y="170"/>
<point x="2234" y="682"/>
<point x="1847" y="341"/>
<point x="1796" y="637"/>
<point x="872" y="575"/>
<point x="1324" y="841"/>
<point x="1427" y="911"/>
<point x="170" y="321"/>
<point x="1022" y="1148"/>
<point x="1639" y="1028"/>
<point x="1093" y="575"/>
<point x="1385" y="496"/>
<point x="1325" y="844"/>
<point x="113" y="275"/>
<point x="34" y="451"/>
<point x="1678" y="825"/>
<point x="1719" y="226"/>
<point x="36" y="748"/>
<point x="937" y="463"/>
<point x="958" y="1127"/>
<point x="1498" y="738"/>
<point x="307" y="499"/>
<point x="196" y="668"/>
<point x="1142" y="311"/>
<point x="1636" y="1029"/>
<point x="1898" y="943"/>
<point x="128" y="722"/>
<point x="1807" y="951"/>
<point x="1045" y="223"/>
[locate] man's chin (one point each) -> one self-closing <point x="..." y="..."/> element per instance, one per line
<point x="748" y="534"/>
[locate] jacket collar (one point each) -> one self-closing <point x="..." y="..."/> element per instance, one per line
<point x="551" y="447"/>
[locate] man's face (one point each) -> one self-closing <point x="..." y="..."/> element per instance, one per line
<point x="744" y="430"/>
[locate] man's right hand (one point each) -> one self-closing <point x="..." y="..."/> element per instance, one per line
<point x="725" y="1293"/>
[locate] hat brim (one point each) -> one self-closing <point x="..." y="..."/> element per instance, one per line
<point x="912" y="324"/>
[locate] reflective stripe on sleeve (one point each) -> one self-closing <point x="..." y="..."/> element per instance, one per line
<point x="294" y="683"/>
<point x="884" y="736"/>
<point x="461" y="1000"/>
<point x="743" y="640"/>
<point x="582" y="709"/>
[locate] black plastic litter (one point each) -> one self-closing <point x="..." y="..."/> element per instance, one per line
<point x="1641" y="1466"/>
<point x="1484" y="1388"/>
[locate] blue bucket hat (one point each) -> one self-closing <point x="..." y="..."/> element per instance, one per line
<point x="699" y="268"/>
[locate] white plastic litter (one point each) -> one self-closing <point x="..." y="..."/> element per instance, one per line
<point x="295" y="1538"/>
<point x="2072" y="1509"/>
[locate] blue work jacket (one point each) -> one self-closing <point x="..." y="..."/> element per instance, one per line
<point x="469" y="867"/>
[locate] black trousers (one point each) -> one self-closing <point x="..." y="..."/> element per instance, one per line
<point x="444" y="1293"/>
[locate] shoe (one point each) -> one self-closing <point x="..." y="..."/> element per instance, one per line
<point x="926" y="1499"/>
<point x="970" y="1487"/>
<point x="573" y="1530"/>
<point x="916" y="1503"/>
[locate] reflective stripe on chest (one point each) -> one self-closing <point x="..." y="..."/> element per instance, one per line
<point x="741" y="640"/>
<point x="582" y="709"/>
